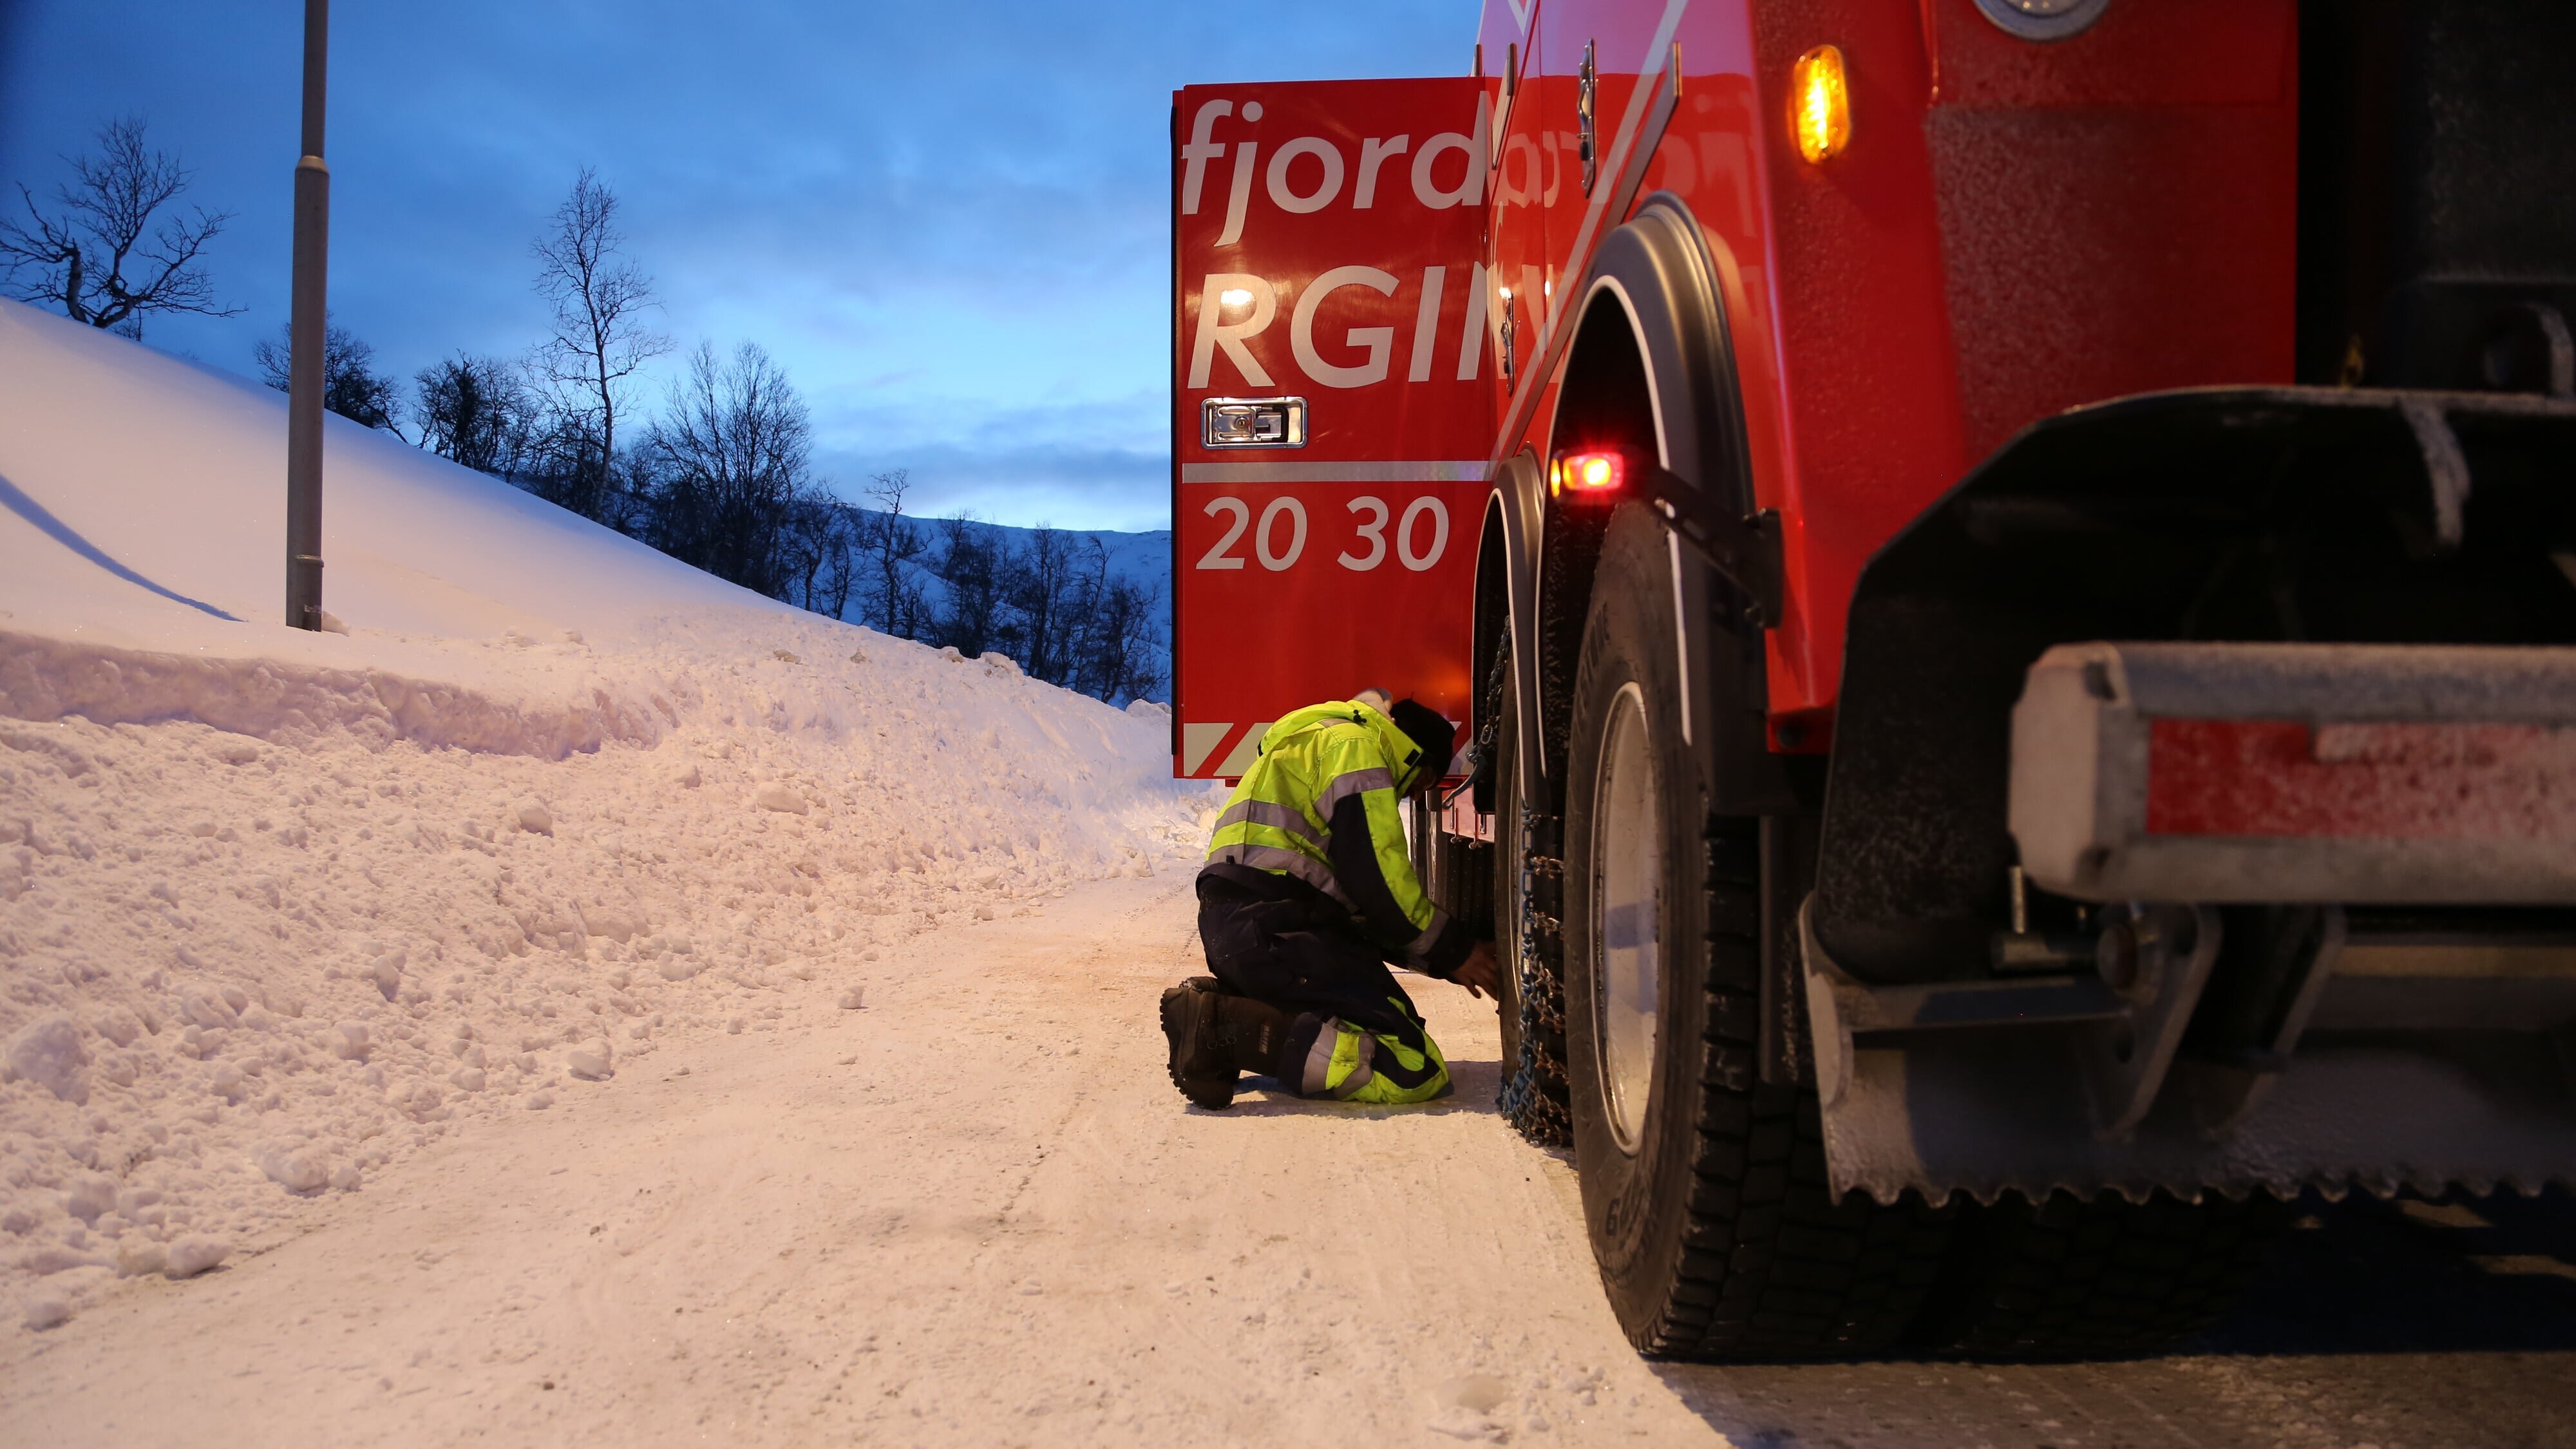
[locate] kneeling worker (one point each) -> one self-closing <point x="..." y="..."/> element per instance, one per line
<point x="1307" y="895"/>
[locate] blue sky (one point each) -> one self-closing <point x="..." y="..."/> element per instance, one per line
<point x="948" y="221"/>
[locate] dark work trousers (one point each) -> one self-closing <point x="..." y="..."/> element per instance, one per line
<point x="1292" y="954"/>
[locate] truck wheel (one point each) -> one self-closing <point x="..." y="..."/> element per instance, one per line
<point x="1704" y="1189"/>
<point x="1533" y="1000"/>
<point x="2075" y="1277"/>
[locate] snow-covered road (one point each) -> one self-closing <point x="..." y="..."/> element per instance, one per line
<point x="972" y="1212"/>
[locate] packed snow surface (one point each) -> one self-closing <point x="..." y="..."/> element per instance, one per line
<point x="970" y="1213"/>
<point x="279" y="908"/>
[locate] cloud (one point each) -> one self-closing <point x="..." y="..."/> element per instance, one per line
<point x="1099" y="488"/>
<point x="1103" y="465"/>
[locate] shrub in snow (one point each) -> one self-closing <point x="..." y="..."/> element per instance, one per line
<point x="49" y="1053"/>
<point x="196" y="1253"/>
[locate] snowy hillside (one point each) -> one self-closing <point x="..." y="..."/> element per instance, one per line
<point x="1143" y="559"/>
<point x="278" y="907"/>
<point x="1142" y="562"/>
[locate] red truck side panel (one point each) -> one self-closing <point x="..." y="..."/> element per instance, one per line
<point x="1327" y="238"/>
<point x="2054" y="224"/>
<point x="2115" y="218"/>
<point x="2015" y="228"/>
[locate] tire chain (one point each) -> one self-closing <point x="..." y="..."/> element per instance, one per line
<point x="1534" y="1096"/>
<point x="1480" y="753"/>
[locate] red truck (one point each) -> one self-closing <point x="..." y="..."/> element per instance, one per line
<point x="2007" y="570"/>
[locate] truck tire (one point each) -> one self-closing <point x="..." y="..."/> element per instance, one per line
<point x="1704" y="1189"/>
<point x="2072" y="1277"/>
<point x="1533" y="998"/>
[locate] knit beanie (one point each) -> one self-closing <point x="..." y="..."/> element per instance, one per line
<point x="1424" y="726"/>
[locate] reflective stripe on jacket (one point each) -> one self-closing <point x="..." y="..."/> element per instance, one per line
<point x="1318" y="806"/>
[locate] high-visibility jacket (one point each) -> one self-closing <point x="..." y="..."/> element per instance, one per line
<point x="1317" y="806"/>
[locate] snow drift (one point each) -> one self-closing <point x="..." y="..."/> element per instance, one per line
<point x="276" y="906"/>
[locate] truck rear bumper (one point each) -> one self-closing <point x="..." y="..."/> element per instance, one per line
<point x="2227" y="773"/>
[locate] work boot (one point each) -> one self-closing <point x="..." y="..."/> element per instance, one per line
<point x="1216" y="1036"/>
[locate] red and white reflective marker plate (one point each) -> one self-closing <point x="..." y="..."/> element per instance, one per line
<point x="2298" y="772"/>
<point x="1328" y="430"/>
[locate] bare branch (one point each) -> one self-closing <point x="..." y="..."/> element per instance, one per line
<point x="105" y="228"/>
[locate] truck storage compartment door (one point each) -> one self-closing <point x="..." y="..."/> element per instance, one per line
<point x="1328" y="431"/>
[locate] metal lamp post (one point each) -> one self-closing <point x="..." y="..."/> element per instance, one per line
<point x="305" y="334"/>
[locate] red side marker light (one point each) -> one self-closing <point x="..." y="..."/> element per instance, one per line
<point x="1588" y="474"/>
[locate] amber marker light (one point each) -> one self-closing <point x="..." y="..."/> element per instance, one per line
<point x="1823" y="117"/>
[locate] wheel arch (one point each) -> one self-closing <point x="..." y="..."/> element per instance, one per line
<point x="1650" y="361"/>
<point x="1507" y="545"/>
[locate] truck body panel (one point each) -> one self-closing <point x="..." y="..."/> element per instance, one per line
<point x="1326" y="237"/>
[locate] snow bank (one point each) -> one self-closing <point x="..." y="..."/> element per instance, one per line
<point x="278" y="906"/>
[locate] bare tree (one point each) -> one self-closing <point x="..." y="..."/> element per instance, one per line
<point x="1047" y="589"/>
<point x="599" y="299"/>
<point x="82" y="254"/>
<point x="1080" y="626"/>
<point x="730" y="455"/>
<point x="351" y="386"/>
<point x="975" y="567"/>
<point x="1124" y="654"/>
<point x="890" y="542"/>
<point x="474" y="411"/>
<point x="818" y="546"/>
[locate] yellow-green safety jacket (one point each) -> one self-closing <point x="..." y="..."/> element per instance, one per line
<point x="1318" y="806"/>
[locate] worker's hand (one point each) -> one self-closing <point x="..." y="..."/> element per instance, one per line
<point x="1479" y="973"/>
